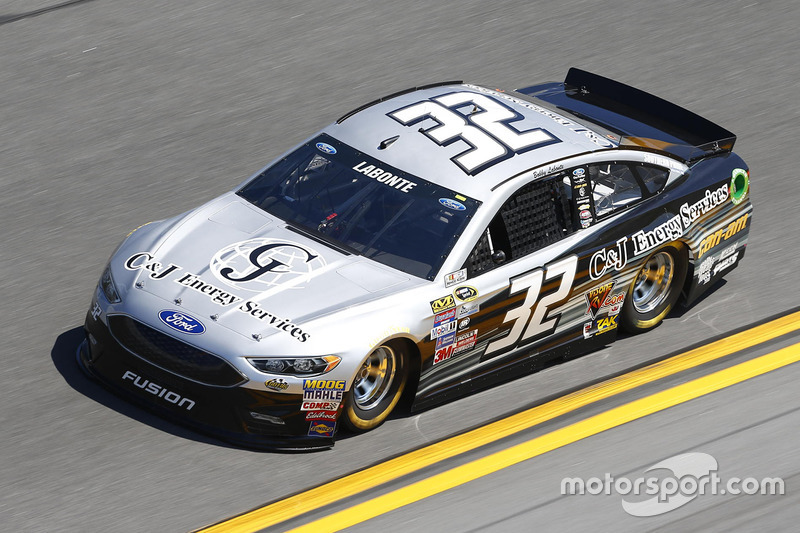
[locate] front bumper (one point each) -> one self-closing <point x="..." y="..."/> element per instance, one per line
<point x="223" y="412"/>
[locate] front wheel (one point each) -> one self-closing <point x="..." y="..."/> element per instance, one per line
<point x="655" y="289"/>
<point x="377" y="387"/>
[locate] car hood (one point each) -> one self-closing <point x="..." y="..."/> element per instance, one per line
<point x="250" y="272"/>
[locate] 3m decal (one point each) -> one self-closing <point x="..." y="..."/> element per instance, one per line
<point x="532" y="318"/>
<point x="443" y="354"/>
<point x="722" y="235"/>
<point x="482" y="122"/>
<point x="443" y="304"/>
<point x="260" y="264"/>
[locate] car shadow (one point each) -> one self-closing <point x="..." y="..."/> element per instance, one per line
<point x="63" y="356"/>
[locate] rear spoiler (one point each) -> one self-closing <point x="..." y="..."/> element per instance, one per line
<point x="641" y="119"/>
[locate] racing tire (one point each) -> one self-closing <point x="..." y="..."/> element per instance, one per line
<point x="655" y="289"/>
<point x="377" y="387"/>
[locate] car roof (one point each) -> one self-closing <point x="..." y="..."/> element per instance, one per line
<point x="373" y="130"/>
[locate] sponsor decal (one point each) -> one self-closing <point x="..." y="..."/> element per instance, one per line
<point x="322" y="395"/>
<point x="468" y="309"/>
<point x="180" y="321"/>
<point x="319" y="406"/>
<point x="278" y="384"/>
<point x="587" y="330"/>
<point x="158" y="391"/>
<point x="323" y="384"/>
<point x="609" y="259"/>
<point x="464" y="323"/>
<point x="465" y="293"/>
<point x="704" y="270"/>
<point x="466" y="341"/>
<point x="145" y="261"/>
<point x="722" y="235"/>
<point x="661" y="161"/>
<point x="579" y="172"/>
<point x="445" y="340"/>
<point x="321" y="429"/>
<point x="452" y="204"/>
<point x="586" y="223"/>
<point x="384" y="177"/>
<point x="321" y="415"/>
<point x="585" y="214"/>
<point x="443" y="329"/>
<point x="596" y="297"/>
<point x="447" y="316"/>
<point x="740" y="183"/>
<point x="443" y="354"/>
<point x="216" y="294"/>
<point x="616" y="258"/>
<point x="325" y="147"/>
<point x="258" y="265"/>
<point x="255" y="310"/>
<point x="454" y="278"/>
<point x="96" y="311"/>
<point x="606" y="324"/>
<point x="726" y="263"/>
<point x="443" y="304"/>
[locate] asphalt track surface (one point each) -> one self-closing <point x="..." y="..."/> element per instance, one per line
<point x="115" y="113"/>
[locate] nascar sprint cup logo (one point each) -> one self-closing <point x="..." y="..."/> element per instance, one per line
<point x="260" y="264"/>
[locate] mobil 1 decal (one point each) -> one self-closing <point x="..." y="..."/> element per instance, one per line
<point x="534" y="318"/>
<point x="488" y="127"/>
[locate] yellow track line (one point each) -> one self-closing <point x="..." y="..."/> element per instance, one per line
<point x="561" y="437"/>
<point x="402" y="465"/>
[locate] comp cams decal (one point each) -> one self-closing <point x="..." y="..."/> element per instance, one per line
<point x="146" y="262"/>
<point x="258" y="265"/>
<point x="480" y="121"/>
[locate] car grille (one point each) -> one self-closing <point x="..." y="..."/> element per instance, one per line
<point x="173" y="355"/>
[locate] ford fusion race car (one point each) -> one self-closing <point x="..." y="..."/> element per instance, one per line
<point x="425" y="245"/>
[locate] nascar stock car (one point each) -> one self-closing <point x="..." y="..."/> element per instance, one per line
<point x="428" y="244"/>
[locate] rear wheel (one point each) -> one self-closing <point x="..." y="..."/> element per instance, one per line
<point x="377" y="387"/>
<point x="655" y="290"/>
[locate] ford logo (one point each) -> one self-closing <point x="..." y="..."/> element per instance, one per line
<point x="578" y="172"/>
<point x="180" y="321"/>
<point x="452" y="204"/>
<point x="327" y="148"/>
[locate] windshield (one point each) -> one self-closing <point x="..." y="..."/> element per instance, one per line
<point x="359" y="203"/>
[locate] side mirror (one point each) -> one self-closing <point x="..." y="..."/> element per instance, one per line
<point x="499" y="257"/>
